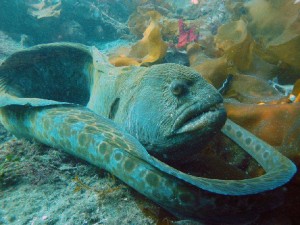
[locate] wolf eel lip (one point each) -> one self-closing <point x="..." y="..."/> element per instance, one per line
<point x="197" y="117"/>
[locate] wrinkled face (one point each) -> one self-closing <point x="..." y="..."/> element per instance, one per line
<point x="172" y="110"/>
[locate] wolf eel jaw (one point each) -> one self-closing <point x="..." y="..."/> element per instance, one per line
<point x="196" y="117"/>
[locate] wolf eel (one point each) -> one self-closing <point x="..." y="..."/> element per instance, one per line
<point x="68" y="96"/>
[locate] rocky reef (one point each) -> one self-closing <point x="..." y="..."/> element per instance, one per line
<point x="65" y="20"/>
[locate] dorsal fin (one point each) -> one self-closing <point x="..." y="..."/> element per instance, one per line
<point x="58" y="72"/>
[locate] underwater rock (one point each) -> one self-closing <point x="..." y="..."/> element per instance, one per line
<point x="72" y="31"/>
<point x="278" y="34"/>
<point x="8" y="46"/>
<point x="237" y="9"/>
<point x="44" y="18"/>
<point x="45" y="9"/>
<point x="176" y="57"/>
<point x="94" y="16"/>
<point x="250" y="89"/>
<point x="164" y="7"/>
<point x="99" y="32"/>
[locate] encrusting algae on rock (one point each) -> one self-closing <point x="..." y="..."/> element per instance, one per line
<point x="43" y="10"/>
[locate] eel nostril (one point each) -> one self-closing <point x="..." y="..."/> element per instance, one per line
<point x="178" y="88"/>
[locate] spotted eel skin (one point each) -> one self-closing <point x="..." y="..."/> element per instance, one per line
<point x="91" y="137"/>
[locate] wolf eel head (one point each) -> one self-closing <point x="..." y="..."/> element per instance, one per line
<point x="171" y="110"/>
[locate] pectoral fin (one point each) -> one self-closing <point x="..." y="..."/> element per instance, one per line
<point x="47" y="74"/>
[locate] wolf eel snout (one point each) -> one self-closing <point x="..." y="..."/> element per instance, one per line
<point x="197" y="116"/>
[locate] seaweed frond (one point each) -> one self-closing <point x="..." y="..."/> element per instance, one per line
<point x="111" y="186"/>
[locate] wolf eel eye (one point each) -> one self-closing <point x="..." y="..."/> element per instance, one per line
<point x="179" y="88"/>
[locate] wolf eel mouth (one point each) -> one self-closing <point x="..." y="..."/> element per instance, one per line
<point x="197" y="117"/>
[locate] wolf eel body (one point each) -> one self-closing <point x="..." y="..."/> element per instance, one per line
<point x="98" y="134"/>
